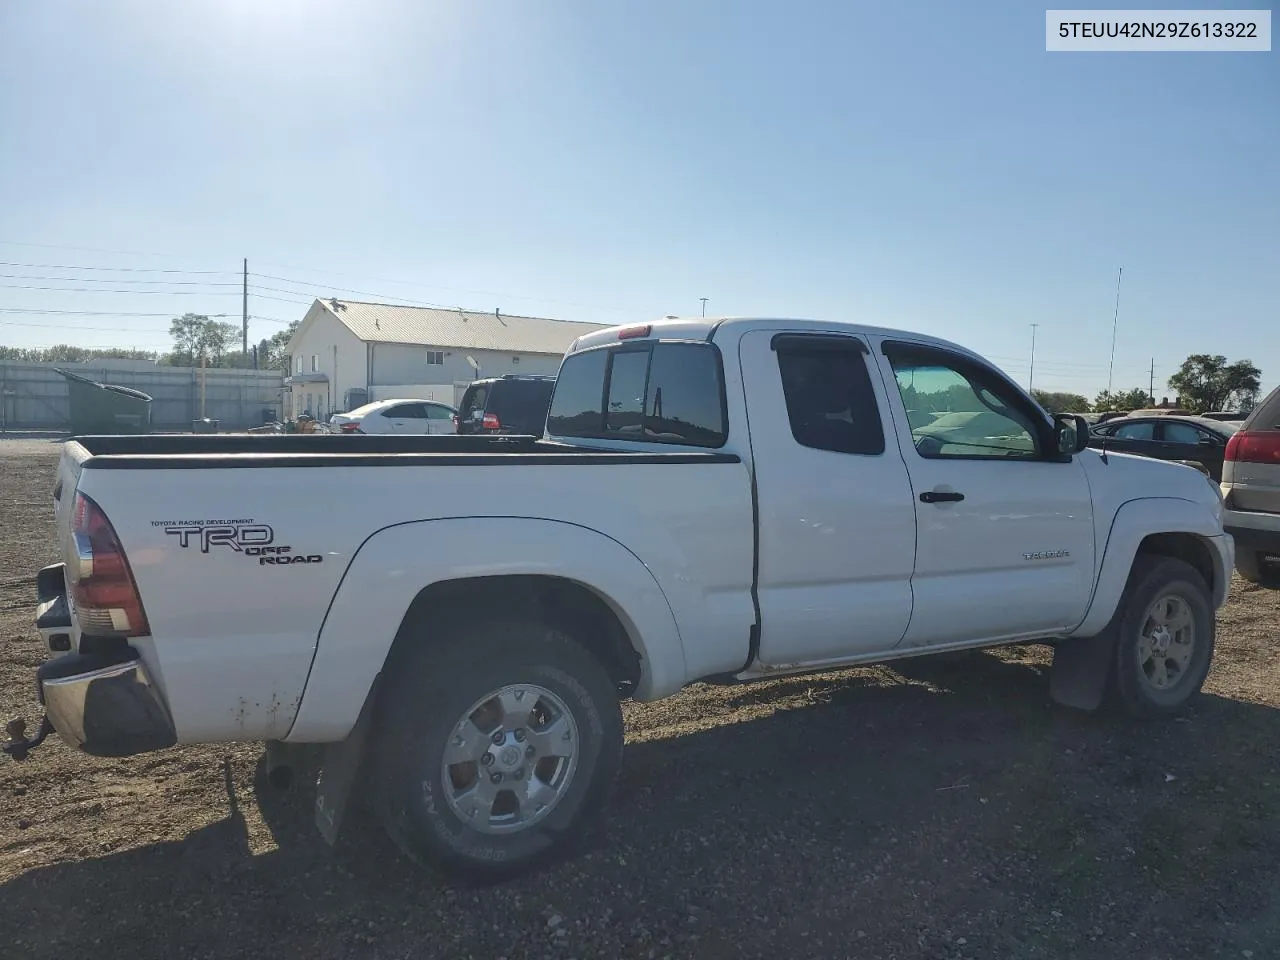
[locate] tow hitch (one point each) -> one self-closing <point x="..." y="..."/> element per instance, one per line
<point x="19" y="746"/>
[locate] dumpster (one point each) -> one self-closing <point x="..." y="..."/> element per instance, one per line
<point x="106" y="408"/>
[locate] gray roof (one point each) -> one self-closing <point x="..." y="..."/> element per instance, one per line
<point x="435" y="327"/>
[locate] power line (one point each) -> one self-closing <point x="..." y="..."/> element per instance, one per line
<point x="363" y="293"/>
<point x="99" y="313"/>
<point x="72" y="266"/>
<point x="159" y="293"/>
<point x="184" y="283"/>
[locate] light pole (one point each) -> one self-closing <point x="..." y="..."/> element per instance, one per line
<point x="1031" y="378"/>
<point x="704" y="305"/>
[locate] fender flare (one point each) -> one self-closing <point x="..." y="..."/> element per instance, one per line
<point x="1134" y="522"/>
<point x="396" y="563"/>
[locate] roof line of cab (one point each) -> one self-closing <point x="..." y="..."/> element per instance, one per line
<point x="706" y="328"/>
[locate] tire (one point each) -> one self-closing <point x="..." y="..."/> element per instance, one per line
<point x="544" y="805"/>
<point x="1145" y="654"/>
<point x="1247" y="566"/>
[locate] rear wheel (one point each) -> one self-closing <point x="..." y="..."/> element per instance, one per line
<point x="1165" y="635"/>
<point x="503" y="741"/>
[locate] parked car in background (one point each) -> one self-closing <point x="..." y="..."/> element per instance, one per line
<point x="1161" y="412"/>
<point x="396" y="416"/>
<point x="1251" y="493"/>
<point x="510" y="404"/>
<point x="1227" y="416"/>
<point x="1168" y="437"/>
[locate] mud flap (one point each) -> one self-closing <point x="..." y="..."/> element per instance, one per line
<point x="1080" y="671"/>
<point x="339" y="766"/>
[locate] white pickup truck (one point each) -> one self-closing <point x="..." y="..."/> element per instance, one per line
<point x="455" y="619"/>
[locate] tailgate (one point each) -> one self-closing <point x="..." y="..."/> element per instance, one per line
<point x="70" y="466"/>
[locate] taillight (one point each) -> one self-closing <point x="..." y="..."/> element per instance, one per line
<point x="491" y="422"/>
<point x="1254" y="446"/>
<point x="349" y="427"/>
<point x="102" y="588"/>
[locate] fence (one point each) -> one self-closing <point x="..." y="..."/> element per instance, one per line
<point x="33" y="396"/>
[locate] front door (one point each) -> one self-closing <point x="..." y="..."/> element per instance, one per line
<point x="407" y="418"/>
<point x="1004" y="531"/>
<point x="836" y="519"/>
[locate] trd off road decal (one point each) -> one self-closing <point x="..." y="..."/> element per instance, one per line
<point x="245" y="537"/>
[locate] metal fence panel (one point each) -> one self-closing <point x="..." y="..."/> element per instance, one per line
<point x="33" y="396"/>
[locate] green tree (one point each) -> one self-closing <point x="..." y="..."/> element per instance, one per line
<point x="1124" y="400"/>
<point x="1061" y="402"/>
<point x="271" y="351"/>
<point x="66" y="353"/>
<point x="1207" y="382"/>
<point x="196" y="336"/>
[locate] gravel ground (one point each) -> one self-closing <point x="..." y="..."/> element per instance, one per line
<point x="931" y="811"/>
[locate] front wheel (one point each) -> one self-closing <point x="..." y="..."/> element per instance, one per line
<point x="503" y="741"/>
<point x="1164" y="640"/>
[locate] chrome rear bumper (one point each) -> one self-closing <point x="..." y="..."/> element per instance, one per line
<point x="106" y="706"/>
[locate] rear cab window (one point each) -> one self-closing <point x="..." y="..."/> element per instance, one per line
<point x="647" y="391"/>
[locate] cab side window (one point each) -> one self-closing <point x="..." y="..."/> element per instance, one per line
<point x="830" y="401"/>
<point x="959" y="410"/>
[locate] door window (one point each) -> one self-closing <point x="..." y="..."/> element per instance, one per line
<point x="830" y="401"/>
<point x="436" y="411"/>
<point x="959" y="409"/>
<point x="1182" y="433"/>
<point x="406" y="411"/>
<point x="1142" y="430"/>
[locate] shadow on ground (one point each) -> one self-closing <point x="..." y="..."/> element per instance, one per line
<point x="952" y="813"/>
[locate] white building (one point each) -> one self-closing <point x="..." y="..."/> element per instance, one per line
<point x="347" y="353"/>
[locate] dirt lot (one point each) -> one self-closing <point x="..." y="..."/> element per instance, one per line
<point x="939" y="812"/>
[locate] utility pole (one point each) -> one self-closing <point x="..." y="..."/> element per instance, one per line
<point x="1031" y="379"/>
<point x="704" y="305"/>
<point x="1151" y="387"/>
<point x="244" y="310"/>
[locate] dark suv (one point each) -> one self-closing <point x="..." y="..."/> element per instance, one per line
<point x="510" y="404"/>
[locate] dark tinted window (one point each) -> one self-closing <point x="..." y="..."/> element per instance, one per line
<point x="685" y="401"/>
<point x="1140" y="430"/>
<point x="575" y="406"/>
<point x="1175" y="432"/>
<point x="830" y="401"/>
<point x="521" y="404"/>
<point x="663" y="393"/>
<point x="406" y="411"/>
<point x="438" y="411"/>
<point x="627" y="375"/>
<point x="472" y="401"/>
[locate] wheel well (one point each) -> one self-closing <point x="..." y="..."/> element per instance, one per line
<point x="1186" y="547"/>
<point x="564" y="604"/>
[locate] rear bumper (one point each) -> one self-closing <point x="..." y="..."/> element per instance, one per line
<point x="102" y="703"/>
<point x="105" y="705"/>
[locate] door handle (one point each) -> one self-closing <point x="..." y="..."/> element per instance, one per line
<point x="941" y="496"/>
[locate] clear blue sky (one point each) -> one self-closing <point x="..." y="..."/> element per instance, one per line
<point x="921" y="165"/>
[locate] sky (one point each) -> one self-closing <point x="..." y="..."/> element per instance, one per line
<point x="925" y="166"/>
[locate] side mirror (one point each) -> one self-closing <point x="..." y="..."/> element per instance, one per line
<point x="1070" y="434"/>
<point x="1208" y="442"/>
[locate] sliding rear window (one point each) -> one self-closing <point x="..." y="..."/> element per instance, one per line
<point x="654" y="392"/>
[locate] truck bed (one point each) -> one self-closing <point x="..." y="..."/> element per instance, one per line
<point x="201" y="451"/>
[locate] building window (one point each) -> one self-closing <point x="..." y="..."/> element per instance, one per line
<point x="435" y="358"/>
<point x="515" y="361"/>
<point x="315" y="362"/>
<point x="297" y="364"/>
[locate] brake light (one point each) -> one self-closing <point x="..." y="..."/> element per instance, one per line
<point x="350" y="427"/>
<point x="1254" y="446"/>
<point x="630" y="333"/>
<point x="102" y="587"/>
<point x="491" y="422"/>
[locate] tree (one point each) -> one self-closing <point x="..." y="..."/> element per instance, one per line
<point x="1206" y="382"/>
<point x="271" y="352"/>
<point x="66" y="353"/>
<point x="1061" y="402"/>
<point x="195" y="336"/>
<point x="1124" y="401"/>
